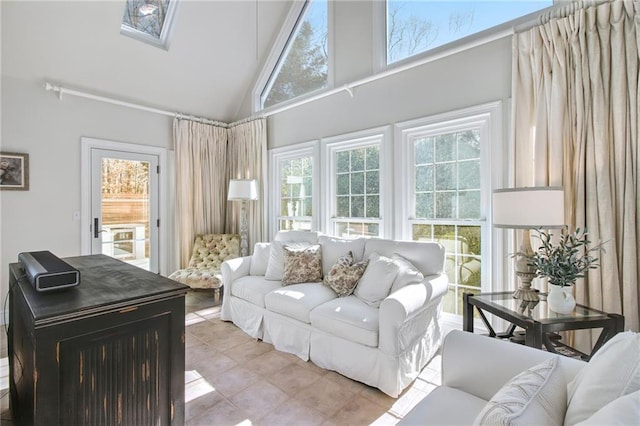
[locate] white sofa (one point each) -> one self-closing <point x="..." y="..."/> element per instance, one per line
<point x="385" y="346"/>
<point x="478" y="385"/>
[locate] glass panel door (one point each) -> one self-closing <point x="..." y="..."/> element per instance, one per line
<point x="124" y="207"/>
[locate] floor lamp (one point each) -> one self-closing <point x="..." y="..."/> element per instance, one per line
<point x="243" y="190"/>
<point x="527" y="208"/>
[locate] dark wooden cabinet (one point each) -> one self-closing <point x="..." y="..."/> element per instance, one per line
<point x="107" y="352"/>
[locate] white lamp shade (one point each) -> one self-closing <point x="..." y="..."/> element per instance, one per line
<point x="243" y="189"/>
<point x="524" y="208"/>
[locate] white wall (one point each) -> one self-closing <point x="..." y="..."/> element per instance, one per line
<point x="475" y="76"/>
<point x="49" y="130"/>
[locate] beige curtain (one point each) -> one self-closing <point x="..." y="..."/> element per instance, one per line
<point x="575" y="123"/>
<point x="201" y="182"/>
<point x="247" y="160"/>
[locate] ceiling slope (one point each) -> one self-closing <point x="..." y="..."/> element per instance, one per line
<point x="213" y="58"/>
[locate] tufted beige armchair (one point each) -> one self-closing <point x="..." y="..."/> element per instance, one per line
<point x="209" y="251"/>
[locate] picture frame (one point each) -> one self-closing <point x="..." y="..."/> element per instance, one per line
<point x="14" y="171"/>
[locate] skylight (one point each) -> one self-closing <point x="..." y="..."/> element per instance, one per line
<point x="149" y="21"/>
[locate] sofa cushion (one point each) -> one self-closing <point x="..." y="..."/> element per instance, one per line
<point x="377" y="280"/>
<point x="333" y="248"/>
<point x="613" y="371"/>
<point x="407" y="273"/>
<point x="622" y="411"/>
<point x="349" y="318"/>
<point x="344" y="275"/>
<point x="275" y="267"/>
<point x="444" y="406"/>
<point x="428" y="257"/>
<point x="253" y="289"/>
<point x="260" y="259"/>
<point x="297" y="300"/>
<point x="538" y="395"/>
<point x="309" y="237"/>
<point x="302" y="265"/>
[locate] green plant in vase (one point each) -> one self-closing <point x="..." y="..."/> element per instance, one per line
<point x="563" y="262"/>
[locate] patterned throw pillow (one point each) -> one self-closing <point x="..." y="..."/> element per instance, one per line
<point x="302" y="265"/>
<point x="344" y="275"/>
<point x="535" y="396"/>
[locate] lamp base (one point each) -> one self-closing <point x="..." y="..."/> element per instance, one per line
<point x="527" y="294"/>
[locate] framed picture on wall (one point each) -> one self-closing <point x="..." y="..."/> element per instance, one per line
<point x="14" y="171"/>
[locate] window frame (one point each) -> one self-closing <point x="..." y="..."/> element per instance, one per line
<point x="360" y="139"/>
<point x="279" y="51"/>
<point x="276" y="155"/>
<point x="165" y="34"/>
<point x="487" y="118"/>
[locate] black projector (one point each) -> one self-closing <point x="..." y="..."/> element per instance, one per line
<point x="47" y="272"/>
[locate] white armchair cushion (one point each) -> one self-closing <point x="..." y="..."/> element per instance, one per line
<point x="260" y="258"/>
<point x="377" y="280"/>
<point x="613" y="371"/>
<point x="535" y="396"/>
<point x="407" y="273"/>
<point x="619" y="412"/>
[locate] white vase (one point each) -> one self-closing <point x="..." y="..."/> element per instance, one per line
<point x="560" y="299"/>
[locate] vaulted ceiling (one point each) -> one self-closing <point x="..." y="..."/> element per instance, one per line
<point x="216" y="50"/>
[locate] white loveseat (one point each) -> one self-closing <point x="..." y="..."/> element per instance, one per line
<point x="385" y="346"/>
<point x="489" y="381"/>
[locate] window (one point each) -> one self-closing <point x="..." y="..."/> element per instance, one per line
<point x="414" y="27"/>
<point x="295" y="171"/>
<point x="303" y="64"/>
<point x="449" y="185"/>
<point x="149" y="20"/>
<point x="356" y="170"/>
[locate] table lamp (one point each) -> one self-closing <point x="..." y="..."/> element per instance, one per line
<point x="243" y="190"/>
<point x="527" y="208"/>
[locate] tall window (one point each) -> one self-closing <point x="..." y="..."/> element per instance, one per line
<point x="414" y="27"/>
<point x="303" y="64"/>
<point x="447" y="197"/>
<point x="294" y="171"/>
<point x="355" y="168"/>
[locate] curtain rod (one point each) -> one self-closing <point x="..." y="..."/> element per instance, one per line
<point x="65" y="90"/>
<point x="562" y="10"/>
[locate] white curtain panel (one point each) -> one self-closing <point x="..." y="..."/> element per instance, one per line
<point x="247" y="159"/>
<point x="575" y="122"/>
<point x="201" y="182"/>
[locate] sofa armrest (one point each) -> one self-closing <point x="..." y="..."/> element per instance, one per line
<point x="480" y="365"/>
<point x="231" y="270"/>
<point x="403" y="314"/>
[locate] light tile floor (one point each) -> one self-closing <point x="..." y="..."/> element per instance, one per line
<point x="232" y="379"/>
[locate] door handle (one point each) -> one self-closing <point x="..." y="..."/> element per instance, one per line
<point x="96" y="232"/>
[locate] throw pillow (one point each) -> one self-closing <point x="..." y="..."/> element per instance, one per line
<point x="407" y="273"/>
<point x="537" y="396"/>
<point x="619" y="412"/>
<point x="259" y="259"/>
<point x="275" y="267"/>
<point x="344" y="275"/>
<point x="613" y="371"/>
<point x="302" y="265"/>
<point x="377" y="280"/>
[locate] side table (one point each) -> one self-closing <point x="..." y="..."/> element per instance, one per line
<point x="539" y="323"/>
